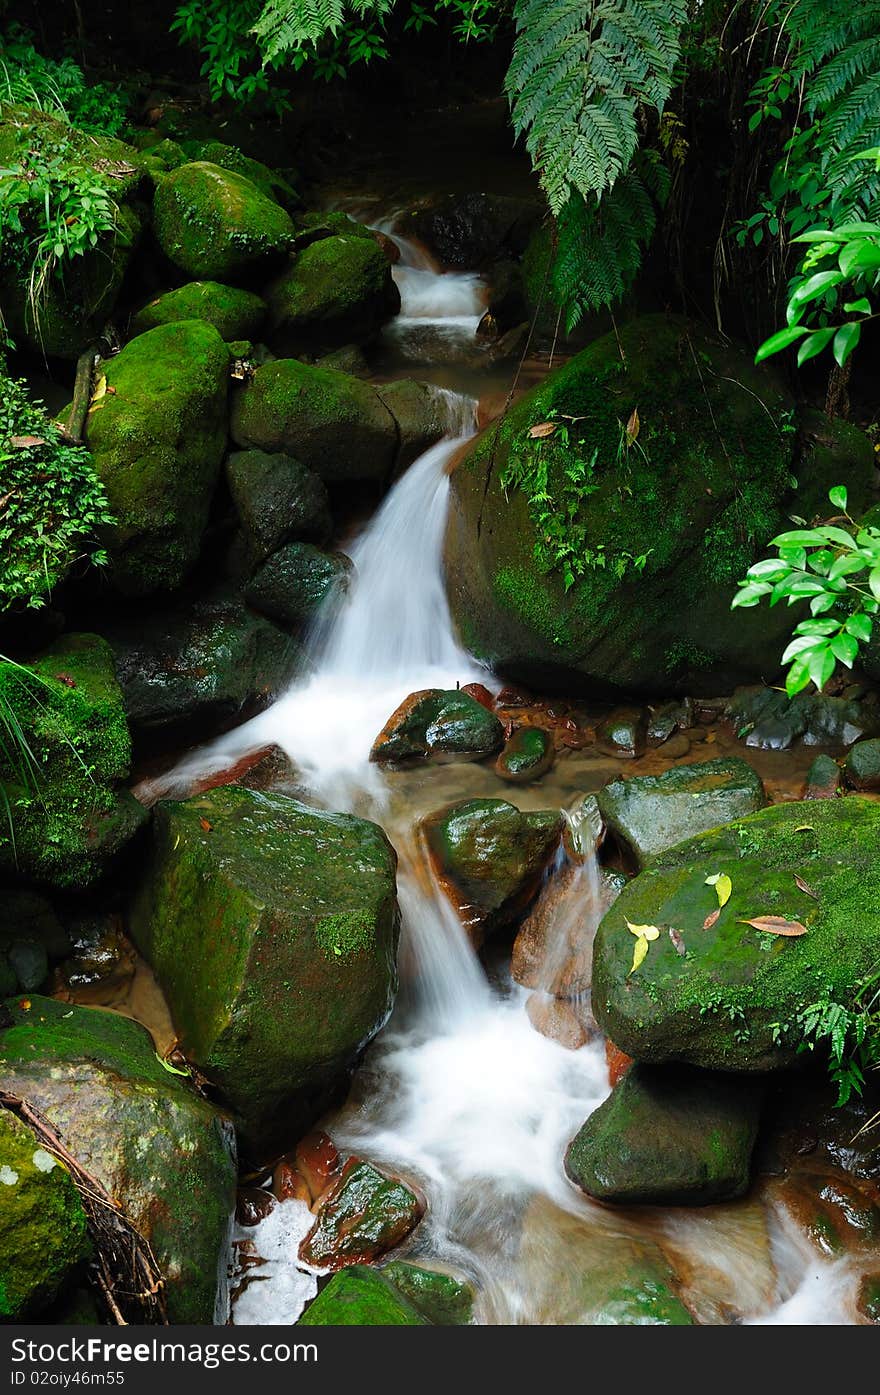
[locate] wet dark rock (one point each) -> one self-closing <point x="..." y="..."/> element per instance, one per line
<point x="824" y="779"/>
<point x="277" y="500"/>
<point x="668" y="1136"/>
<point x="668" y="718"/>
<point x="318" y="1161"/>
<point x="861" y="769"/>
<point x="288" y="1183"/>
<point x="100" y="954"/>
<point x="421" y="417"/>
<point x="623" y="732"/>
<point x="361" y="1297"/>
<point x="840" y="1215"/>
<point x="528" y="754"/>
<point x="768" y="720"/>
<point x="338" y="290"/>
<point x="161" y="1150"/>
<point x="473" y="229"/>
<point x="201" y="661"/>
<point x="438" y="724"/>
<point x="833" y="449"/>
<point x="733" y="1001"/>
<point x="490" y="858"/>
<point x="652" y="812"/>
<point x="292" y="585"/>
<point x="364" y="1216"/>
<point x="349" y="359"/>
<point x="31" y="938"/>
<point x="272" y="930"/>
<point x="253" y="1205"/>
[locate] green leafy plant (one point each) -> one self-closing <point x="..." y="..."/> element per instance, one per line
<point x="58" y="86"/>
<point x="836" y="570"/>
<point x="52" y="505"/>
<point x="851" y="1035"/>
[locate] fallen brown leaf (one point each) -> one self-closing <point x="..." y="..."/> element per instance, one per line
<point x="776" y="925"/>
<point x="806" y="888"/>
<point x="205" y="825"/>
<point x="711" y="918"/>
<point x="676" y="938"/>
<point x="23" y="442"/>
<point x="543" y="428"/>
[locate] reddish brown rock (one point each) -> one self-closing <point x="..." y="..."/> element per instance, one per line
<point x="569" y="1024"/>
<point x="288" y="1184"/>
<point x="252" y="1205"/>
<point x="318" y="1162"/>
<point x="362" y="1217"/>
<point x="481" y="694"/>
<point x="618" y="1063"/>
<point x="840" y="1214"/>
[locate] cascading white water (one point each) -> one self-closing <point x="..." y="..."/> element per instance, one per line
<point x="433" y="304"/>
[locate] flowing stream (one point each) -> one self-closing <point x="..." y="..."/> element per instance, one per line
<point x="460" y="1093"/>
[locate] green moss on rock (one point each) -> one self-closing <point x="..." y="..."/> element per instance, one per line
<point x="234" y="313"/>
<point x="161" y="1150"/>
<point x="697" y="495"/>
<point x="440" y="1298"/>
<point x="292" y="585"/>
<point x="245" y="895"/>
<point x="68" y="819"/>
<point x="215" y="223"/>
<point x="732" y="1002"/>
<point x="337" y="291"/>
<point x="43" y="1229"/>
<point x="157" y="437"/>
<point x="334" y="424"/>
<point x="361" y="1297"/>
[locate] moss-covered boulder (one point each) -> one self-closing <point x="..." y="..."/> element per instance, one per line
<point x="234" y="313"/>
<point x="229" y="157"/>
<point x="653" y="812"/>
<point x="668" y="1136"/>
<point x="292" y="585"/>
<point x="336" y="291"/>
<point x="277" y="499"/>
<point x="733" y="1000"/>
<point x="157" y="436"/>
<point x="423" y="416"/>
<point x="43" y="1228"/>
<point x="657" y="515"/>
<point x="440" y="724"/>
<point x="861" y="769"/>
<point x="71" y="309"/>
<point x="162" y="1151"/>
<point x="273" y="932"/>
<point x="334" y="424"/>
<point x="490" y="858"/>
<point x="205" y="661"/>
<point x="67" y="818"/>
<point x="361" y="1297"/>
<point x="214" y="223"/>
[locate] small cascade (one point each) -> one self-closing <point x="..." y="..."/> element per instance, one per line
<point x="439" y="310"/>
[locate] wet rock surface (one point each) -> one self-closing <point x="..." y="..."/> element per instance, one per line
<point x="365" y="1215"/>
<point x="438" y="724"/>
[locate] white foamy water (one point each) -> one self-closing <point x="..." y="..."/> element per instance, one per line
<point x="434" y="304"/>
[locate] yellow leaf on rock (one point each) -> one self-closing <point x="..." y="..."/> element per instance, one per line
<point x="647" y="932"/>
<point x="639" y="952"/>
<point x="723" y="887"/>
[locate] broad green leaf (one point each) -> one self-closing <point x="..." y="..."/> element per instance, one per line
<point x="874" y="583"/>
<point x="845" y="648"/>
<point x="838" y="496"/>
<point x="816" y="285"/>
<point x="820" y="664"/>
<point x="797" y="679"/>
<point x="818" y="340"/>
<point x="779" y="341"/>
<point x="847" y="566"/>
<point x="860" y="627"/>
<point x="846" y="339"/>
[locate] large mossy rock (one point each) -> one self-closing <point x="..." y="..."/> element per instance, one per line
<point x="161" y="1151"/>
<point x="334" y="424"/>
<point x="43" y="1227"/>
<point x="269" y="182"/>
<point x="68" y="313"/>
<point x="205" y="661"/>
<point x="158" y="437"/>
<point x="67" y="817"/>
<point x="277" y="499"/>
<point x="668" y="1136"/>
<point x="733" y="1000"/>
<point x="273" y="932"/>
<point x="490" y="858"/>
<point x="216" y="224"/>
<point x="697" y="493"/>
<point x="336" y="291"/>
<point x="652" y="812"/>
<point x="234" y="313"/>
